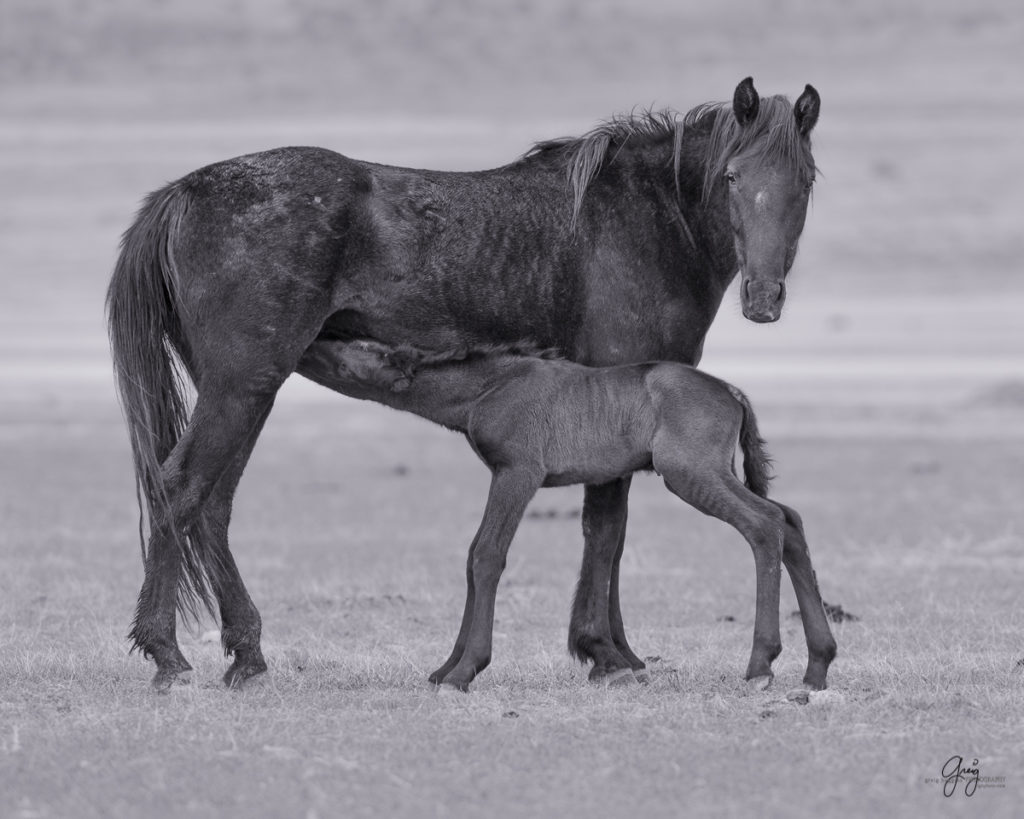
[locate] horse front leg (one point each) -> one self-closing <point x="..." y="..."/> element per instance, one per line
<point x="467" y="619"/>
<point x="618" y="628"/>
<point x="595" y="606"/>
<point x="507" y="499"/>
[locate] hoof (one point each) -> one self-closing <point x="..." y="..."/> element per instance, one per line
<point x="239" y="674"/>
<point x="167" y="678"/>
<point x="643" y="676"/>
<point x="622" y="677"/>
<point x="437" y="677"/>
<point x="814" y="681"/>
<point x="801" y="696"/>
<point x="448" y="689"/>
<point x="760" y="683"/>
<point x="612" y="679"/>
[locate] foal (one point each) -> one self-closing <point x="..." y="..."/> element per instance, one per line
<point x="537" y="420"/>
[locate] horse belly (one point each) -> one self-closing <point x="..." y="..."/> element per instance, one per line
<point x="608" y="461"/>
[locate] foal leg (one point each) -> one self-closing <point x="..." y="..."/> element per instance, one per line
<point x="590" y="628"/>
<point x="821" y="645"/>
<point x="467" y="619"/>
<point x="241" y="625"/>
<point x="509" y="494"/>
<point x="762" y="523"/>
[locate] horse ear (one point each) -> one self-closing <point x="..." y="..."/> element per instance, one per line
<point x="806" y="110"/>
<point x="745" y="102"/>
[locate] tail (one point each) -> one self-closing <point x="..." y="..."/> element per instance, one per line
<point x="146" y="337"/>
<point x="757" y="465"/>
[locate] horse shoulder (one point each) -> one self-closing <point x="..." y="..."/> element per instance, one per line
<point x="511" y="420"/>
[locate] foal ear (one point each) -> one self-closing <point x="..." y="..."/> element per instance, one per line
<point x="806" y="110"/>
<point x="745" y="102"/>
<point x="404" y="361"/>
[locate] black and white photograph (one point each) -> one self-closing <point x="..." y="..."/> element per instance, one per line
<point x="527" y="408"/>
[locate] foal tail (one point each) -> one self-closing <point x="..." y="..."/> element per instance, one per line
<point x="146" y="339"/>
<point x="757" y="465"/>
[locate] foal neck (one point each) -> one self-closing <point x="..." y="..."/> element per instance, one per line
<point x="446" y="391"/>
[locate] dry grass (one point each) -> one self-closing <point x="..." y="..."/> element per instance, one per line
<point x="358" y="579"/>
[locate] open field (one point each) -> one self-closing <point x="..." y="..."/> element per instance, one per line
<point x="351" y="529"/>
<point x="892" y="395"/>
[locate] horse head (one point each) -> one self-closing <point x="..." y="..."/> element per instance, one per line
<point x="768" y="174"/>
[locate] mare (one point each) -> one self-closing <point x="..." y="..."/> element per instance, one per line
<point x="613" y="247"/>
<point x="540" y="421"/>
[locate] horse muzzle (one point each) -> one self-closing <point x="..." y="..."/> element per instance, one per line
<point x="762" y="299"/>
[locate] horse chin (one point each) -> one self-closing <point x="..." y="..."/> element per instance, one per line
<point x="762" y="316"/>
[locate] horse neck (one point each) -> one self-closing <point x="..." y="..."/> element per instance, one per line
<point x="707" y="218"/>
<point x="703" y="262"/>
<point x="445" y="392"/>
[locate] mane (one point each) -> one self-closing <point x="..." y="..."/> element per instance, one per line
<point x="585" y="155"/>
<point x="773" y="134"/>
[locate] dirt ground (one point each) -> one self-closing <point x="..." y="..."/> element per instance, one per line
<point x="892" y="395"/>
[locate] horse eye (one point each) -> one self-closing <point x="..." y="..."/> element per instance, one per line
<point x="808" y="186"/>
<point x="731" y="176"/>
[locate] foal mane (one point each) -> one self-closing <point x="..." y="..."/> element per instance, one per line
<point x="773" y="135"/>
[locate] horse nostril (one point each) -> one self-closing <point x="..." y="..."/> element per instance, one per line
<point x="782" y="292"/>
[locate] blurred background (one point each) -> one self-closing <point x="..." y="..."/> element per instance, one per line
<point x="908" y="285"/>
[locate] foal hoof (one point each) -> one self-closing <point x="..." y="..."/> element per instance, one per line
<point x="437" y="677"/>
<point x="760" y="683"/>
<point x="613" y="679"/>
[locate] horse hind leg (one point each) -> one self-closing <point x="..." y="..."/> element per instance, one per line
<point x="821" y="645"/>
<point x="179" y="559"/>
<point x="762" y="525"/>
<point x="241" y="625"/>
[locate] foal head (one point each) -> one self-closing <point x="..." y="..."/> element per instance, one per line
<point x="368" y="363"/>
<point x="760" y="153"/>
